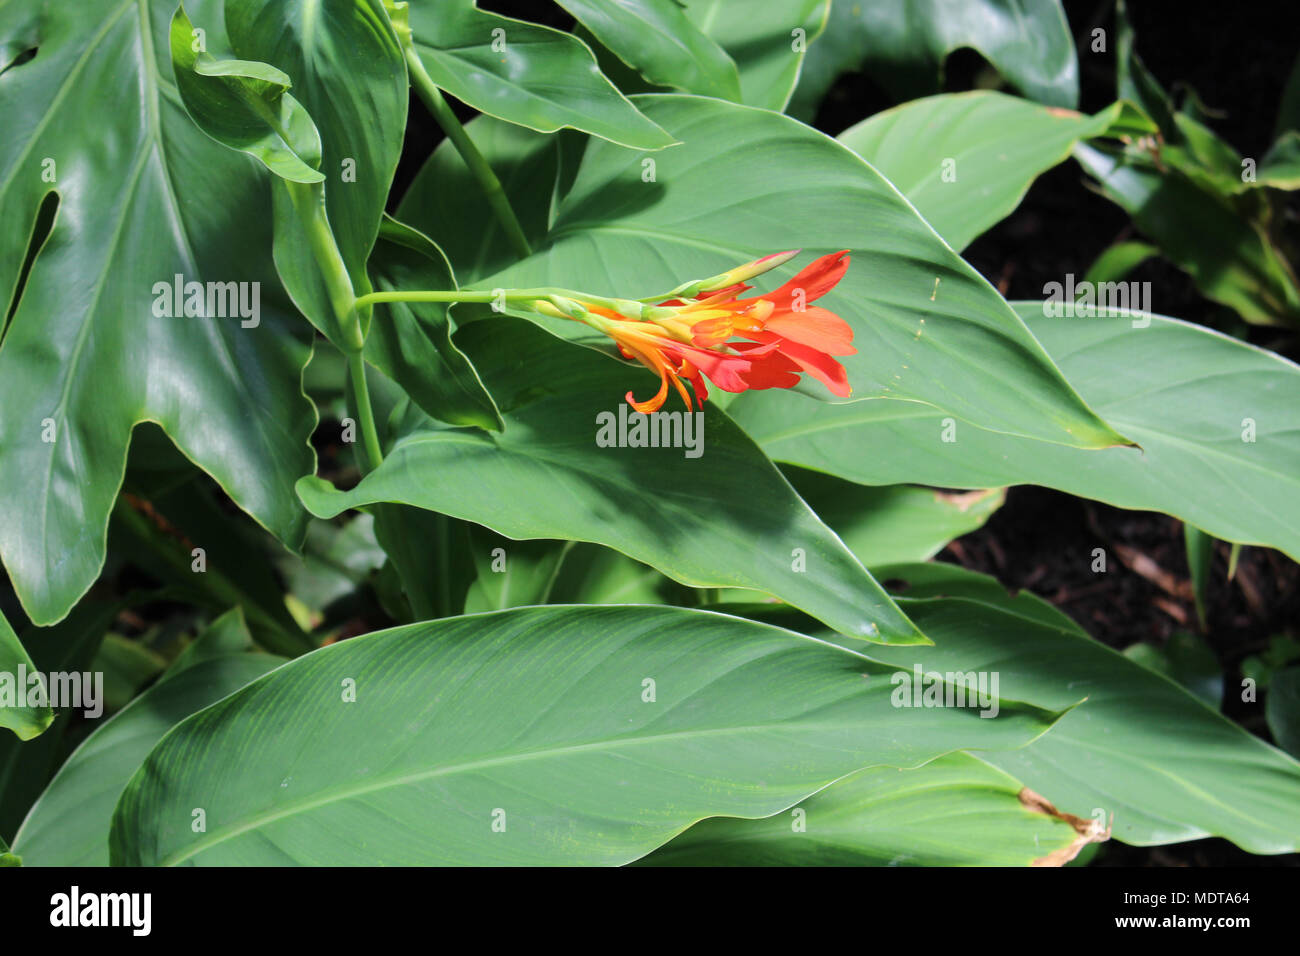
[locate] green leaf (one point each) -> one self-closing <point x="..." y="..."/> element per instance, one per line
<point x="127" y="665"/>
<point x="168" y="512"/>
<point x="525" y="74"/>
<point x="143" y="197"/>
<point x="410" y="342"/>
<point x="1203" y="231"/>
<point x="1187" y="660"/>
<point x="25" y="721"/>
<point x="902" y="44"/>
<point x="954" y="811"/>
<point x="966" y="160"/>
<point x="927" y="327"/>
<point x="591" y="574"/>
<point x="885" y="525"/>
<point x="656" y="38"/>
<point x="723" y="518"/>
<point x="69" y="824"/>
<point x="763" y="38"/>
<point x="666" y="715"/>
<point x="226" y="636"/>
<point x="245" y="106"/>
<point x="512" y="574"/>
<point x="1280" y="167"/>
<point x="1192" y="399"/>
<point x="1200" y="562"/>
<point x="66" y="648"/>
<point x="1282" y="709"/>
<point x="444" y="196"/>
<point x="1118" y="260"/>
<point x="348" y="72"/>
<point x="1135" y="83"/>
<point x="427" y="549"/>
<point x="1139" y="747"/>
<point x="334" y="563"/>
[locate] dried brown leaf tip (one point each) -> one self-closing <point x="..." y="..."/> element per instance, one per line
<point x="1086" y="830"/>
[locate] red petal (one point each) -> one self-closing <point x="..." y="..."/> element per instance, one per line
<point x="820" y="366"/>
<point x="815" y="327"/>
<point x="816" y="279"/>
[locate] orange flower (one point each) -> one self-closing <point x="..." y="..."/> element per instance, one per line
<point x="760" y="342"/>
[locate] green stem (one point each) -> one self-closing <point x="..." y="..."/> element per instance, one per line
<point x="309" y="202"/>
<point x="366" y="414"/>
<point x="420" y="295"/>
<point x="478" y="166"/>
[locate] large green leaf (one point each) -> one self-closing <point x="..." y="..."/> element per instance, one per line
<point x="656" y="38"/>
<point x="767" y="39"/>
<point x="1183" y="392"/>
<point x="664" y="716"/>
<point x="954" y="811"/>
<point x="927" y="327"/>
<point x="1140" y="746"/>
<point x="965" y="160"/>
<point x="902" y="44"/>
<point x="726" y="518"/>
<point x="69" y="824"/>
<point x="143" y="196"/>
<point x="524" y="73"/>
<point x="25" y="721"/>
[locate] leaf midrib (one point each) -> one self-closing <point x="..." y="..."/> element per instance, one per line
<point x="469" y="766"/>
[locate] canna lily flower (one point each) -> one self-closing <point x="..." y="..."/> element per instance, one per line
<point x="708" y="329"/>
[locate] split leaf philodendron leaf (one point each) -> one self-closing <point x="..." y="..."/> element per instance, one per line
<point x="966" y="160"/>
<point x="656" y="38"/>
<point x="1140" y="747"/>
<point x="1216" y="420"/>
<point x="524" y="73"/>
<point x="598" y="734"/>
<point x="69" y="824"/>
<point x="151" y="300"/>
<point x="926" y="326"/>
<point x="902" y="45"/>
<point x="244" y="105"/>
<point x="24" y="719"/>
<point x="710" y="511"/>
<point x="410" y="342"/>
<point x="890" y="817"/>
